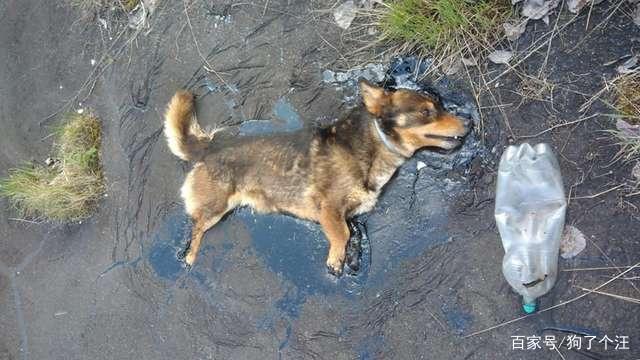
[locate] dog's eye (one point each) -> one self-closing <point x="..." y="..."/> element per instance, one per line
<point x="427" y="112"/>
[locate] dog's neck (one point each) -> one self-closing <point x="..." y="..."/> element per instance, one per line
<point x="387" y="160"/>
<point x="388" y="143"/>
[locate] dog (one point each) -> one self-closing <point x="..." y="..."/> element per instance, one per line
<point x="326" y="175"/>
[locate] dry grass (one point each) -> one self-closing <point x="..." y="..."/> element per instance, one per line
<point x="626" y="89"/>
<point x="70" y="187"/>
<point x="95" y="5"/>
<point x="532" y="88"/>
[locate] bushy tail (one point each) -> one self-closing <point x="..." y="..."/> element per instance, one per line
<point x="185" y="137"/>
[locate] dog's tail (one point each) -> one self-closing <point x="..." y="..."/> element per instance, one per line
<point x="185" y="137"/>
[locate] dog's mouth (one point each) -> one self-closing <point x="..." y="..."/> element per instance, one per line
<point x="445" y="138"/>
<point x="448" y="141"/>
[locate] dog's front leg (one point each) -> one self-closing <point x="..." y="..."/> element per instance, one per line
<point x="335" y="228"/>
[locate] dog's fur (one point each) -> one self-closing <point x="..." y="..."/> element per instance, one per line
<point x="327" y="175"/>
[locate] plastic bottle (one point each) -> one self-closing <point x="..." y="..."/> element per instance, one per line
<point x="530" y="211"/>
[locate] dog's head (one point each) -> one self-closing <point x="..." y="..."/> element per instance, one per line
<point x="417" y="120"/>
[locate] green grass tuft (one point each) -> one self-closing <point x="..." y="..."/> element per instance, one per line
<point x="69" y="189"/>
<point x="444" y="24"/>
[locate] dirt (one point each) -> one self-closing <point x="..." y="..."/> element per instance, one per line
<point x="430" y="274"/>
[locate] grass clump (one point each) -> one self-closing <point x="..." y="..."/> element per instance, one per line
<point x="69" y="188"/>
<point x="95" y="5"/>
<point x="626" y="89"/>
<point x="444" y="26"/>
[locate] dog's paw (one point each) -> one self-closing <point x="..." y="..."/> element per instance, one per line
<point x="335" y="263"/>
<point x="189" y="259"/>
<point x="335" y="271"/>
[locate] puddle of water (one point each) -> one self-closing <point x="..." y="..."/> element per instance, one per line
<point x="167" y="241"/>
<point x="297" y="250"/>
<point x="286" y="120"/>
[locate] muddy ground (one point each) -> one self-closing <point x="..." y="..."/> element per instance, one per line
<point x="112" y="288"/>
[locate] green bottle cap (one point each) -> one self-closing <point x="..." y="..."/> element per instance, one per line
<point x="529" y="308"/>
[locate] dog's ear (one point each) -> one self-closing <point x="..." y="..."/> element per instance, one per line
<point x="374" y="97"/>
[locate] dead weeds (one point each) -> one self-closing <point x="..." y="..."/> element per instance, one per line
<point x="626" y="91"/>
<point x="97" y="5"/>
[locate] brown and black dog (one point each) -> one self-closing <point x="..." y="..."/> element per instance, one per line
<point x="327" y="175"/>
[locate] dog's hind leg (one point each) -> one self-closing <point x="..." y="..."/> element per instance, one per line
<point x="206" y="200"/>
<point x="202" y="221"/>
<point x="335" y="228"/>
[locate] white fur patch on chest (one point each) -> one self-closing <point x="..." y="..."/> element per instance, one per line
<point x="368" y="198"/>
<point x="367" y="203"/>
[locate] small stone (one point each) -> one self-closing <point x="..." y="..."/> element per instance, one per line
<point x="572" y="242"/>
<point x="344" y="14"/>
<point x="514" y="31"/>
<point x="576" y="5"/>
<point x="469" y="61"/>
<point x="538" y="9"/>
<point x="453" y="67"/>
<point x="342" y="77"/>
<point x="328" y="76"/>
<point x="500" y="56"/>
<point x="628" y="66"/>
<point x="635" y="172"/>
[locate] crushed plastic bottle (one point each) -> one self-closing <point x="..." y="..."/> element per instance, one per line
<point x="530" y="211"/>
